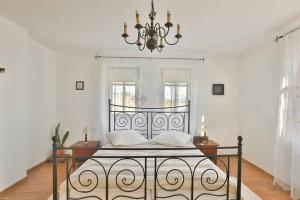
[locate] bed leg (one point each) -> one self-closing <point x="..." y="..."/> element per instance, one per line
<point x="55" y="195"/>
<point x="239" y="175"/>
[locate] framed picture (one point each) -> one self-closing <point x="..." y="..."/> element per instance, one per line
<point x="2" y="69"/>
<point x="79" y="85"/>
<point x="218" y="89"/>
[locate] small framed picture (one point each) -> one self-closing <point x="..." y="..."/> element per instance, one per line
<point x="79" y="85"/>
<point x="218" y="89"/>
<point x="2" y="69"/>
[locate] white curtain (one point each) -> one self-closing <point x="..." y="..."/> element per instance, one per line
<point x="149" y="83"/>
<point x="108" y="69"/>
<point x="287" y="155"/>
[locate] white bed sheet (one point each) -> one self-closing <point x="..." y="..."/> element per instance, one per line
<point x="181" y="165"/>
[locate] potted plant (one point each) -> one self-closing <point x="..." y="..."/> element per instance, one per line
<point x="60" y="141"/>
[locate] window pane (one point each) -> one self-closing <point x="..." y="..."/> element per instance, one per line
<point x="117" y="94"/>
<point x="168" y="96"/>
<point x="123" y="93"/>
<point x="129" y="95"/>
<point x="175" y="94"/>
<point x="182" y="95"/>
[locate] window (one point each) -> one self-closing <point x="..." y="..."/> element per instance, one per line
<point x="175" y="86"/>
<point x="124" y="93"/>
<point x="175" y="94"/>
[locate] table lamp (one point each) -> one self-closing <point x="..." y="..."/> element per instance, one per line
<point x="85" y="132"/>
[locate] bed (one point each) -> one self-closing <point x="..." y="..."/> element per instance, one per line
<point x="150" y="170"/>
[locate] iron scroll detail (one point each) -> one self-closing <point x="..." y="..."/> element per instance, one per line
<point x="149" y="121"/>
<point x="113" y="177"/>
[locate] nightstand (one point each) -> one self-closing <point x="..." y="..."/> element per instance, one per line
<point x="209" y="148"/>
<point x="82" y="148"/>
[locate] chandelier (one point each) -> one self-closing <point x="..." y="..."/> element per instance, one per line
<point x="152" y="35"/>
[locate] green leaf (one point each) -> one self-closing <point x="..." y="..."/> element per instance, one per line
<point x="57" y="134"/>
<point x="58" y="140"/>
<point x="57" y="129"/>
<point x="65" y="137"/>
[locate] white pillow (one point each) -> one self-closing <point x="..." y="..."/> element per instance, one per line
<point x="172" y="138"/>
<point x="125" y="138"/>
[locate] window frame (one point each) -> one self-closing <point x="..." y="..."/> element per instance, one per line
<point x="124" y="84"/>
<point x="176" y="85"/>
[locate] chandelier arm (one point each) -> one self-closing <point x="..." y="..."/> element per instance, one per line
<point x="131" y="43"/>
<point x="143" y="36"/>
<point x="166" y="31"/>
<point x="147" y="26"/>
<point x="157" y="26"/>
<point x="144" y="45"/>
<point x="160" y="30"/>
<point x="158" y="48"/>
<point x="163" y="30"/>
<point x="142" y="32"/>
<point x="157" y="30"/>
<point x="171" y="43"/>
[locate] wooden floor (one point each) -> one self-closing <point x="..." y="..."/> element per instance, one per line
<point x="37" y="186"/>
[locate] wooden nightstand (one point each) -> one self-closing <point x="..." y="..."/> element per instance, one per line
<point x="209" y="148"/>
<point x="82" y="148"/>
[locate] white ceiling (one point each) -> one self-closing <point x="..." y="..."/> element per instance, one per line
<point x="209" y="26"/>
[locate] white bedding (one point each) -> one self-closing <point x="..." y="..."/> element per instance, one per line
<point x="177" y="168"/>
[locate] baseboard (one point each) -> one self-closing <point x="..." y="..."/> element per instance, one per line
<point x="250" y="163"/>
<point x="13" y="185"/>
<point x="24" y="178"/>
<point x="37" y="165"/>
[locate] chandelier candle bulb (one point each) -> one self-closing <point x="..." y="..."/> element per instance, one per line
<point x="161" y="41"/>
<point x="178" y="28"/>
<point x="137" y="16"/>
<point x="125" y="27"/>
<point x="168" y="16"/>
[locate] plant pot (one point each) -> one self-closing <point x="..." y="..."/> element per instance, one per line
<point x="60" y="152"/>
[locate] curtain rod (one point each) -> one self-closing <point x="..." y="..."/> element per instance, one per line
<point x="159" y="58"/>
<point x="287" y="33"/>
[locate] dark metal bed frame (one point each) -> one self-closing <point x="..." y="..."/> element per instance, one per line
<point x="150" y="121"/>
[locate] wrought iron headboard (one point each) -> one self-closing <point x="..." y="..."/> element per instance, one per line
<point x="149" y="121"/>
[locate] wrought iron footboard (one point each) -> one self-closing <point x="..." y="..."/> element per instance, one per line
<point x="154" y="176"/>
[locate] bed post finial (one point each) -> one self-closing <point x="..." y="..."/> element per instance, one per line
<point x="239" y="175"/>
<point x="240" y="139"/>
<point x="54" y="139"/>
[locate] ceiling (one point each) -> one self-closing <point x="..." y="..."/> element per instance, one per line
<point x="211" y="26"/>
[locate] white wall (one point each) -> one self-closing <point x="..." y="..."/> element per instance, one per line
<point x="14" y="101"/>
<point x="23" y="102"/>
<point x="221" y="111"/>
<point x="42" y="67"/>
<point x="259" y="84"/>
<point x="75" y="109"/>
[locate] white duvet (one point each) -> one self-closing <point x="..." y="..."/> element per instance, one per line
<point x="126" y="176"/>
